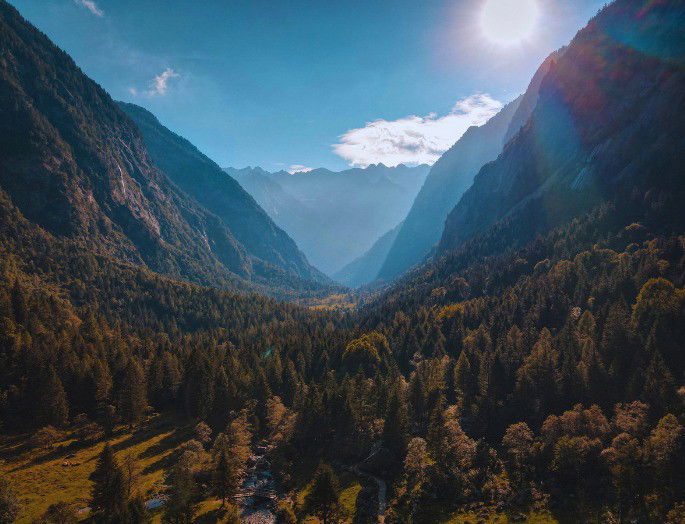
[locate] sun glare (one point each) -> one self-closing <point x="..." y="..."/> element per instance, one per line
<point x="508" y="22"/>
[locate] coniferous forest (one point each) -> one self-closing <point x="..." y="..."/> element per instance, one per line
<point x="531" y="367"/>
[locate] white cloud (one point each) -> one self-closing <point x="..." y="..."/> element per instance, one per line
<point x="298" y="168"/>
<point x="91" y="6"/>
<point x="158" y="86"/>
<point x="160" y="83"/>
<point x="414" y="140"/>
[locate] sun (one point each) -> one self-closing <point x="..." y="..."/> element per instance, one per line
<point x="507" y="22"/>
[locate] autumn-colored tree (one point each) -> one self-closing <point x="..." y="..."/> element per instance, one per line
<point x="624" y="462"/>
<point x="664" y="456"/>
<point x="416" y="460"/>
<point x="518" y="445"/>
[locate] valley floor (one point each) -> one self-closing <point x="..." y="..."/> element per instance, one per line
<point x="42" y="476"/>
<point x="60" y="473"/>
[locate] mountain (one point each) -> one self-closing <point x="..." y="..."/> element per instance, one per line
<point x="202" y="179"/>
<point x="364" y="269"/>
<point x="449" y="177"/>
<point x="607" y="122"/>
<point x="76" y="165"/>
<point x="335" y="217"/>
<point x="528" y="101"/>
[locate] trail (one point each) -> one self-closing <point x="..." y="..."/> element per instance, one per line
<point x="382" y="490"/>
<point x="380" y="483"/>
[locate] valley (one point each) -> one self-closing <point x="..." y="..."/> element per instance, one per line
<point x="495" y="337"/>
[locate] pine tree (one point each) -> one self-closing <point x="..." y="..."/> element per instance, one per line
<point x="180" y="508"/>
<point x="436" y="425"/>
<point x="133" y="396"/>
<point x="417" y="399"/>
<point x="224" y="479"/>
<point x="322" y="500"/>
<point x="659" y="386"/>
<point x="463" y="381"/>
<point x="109" y="503"/>
<point x="137" y="512"/>
<point x="396" y="427"/>
<point x="53" y="400"/>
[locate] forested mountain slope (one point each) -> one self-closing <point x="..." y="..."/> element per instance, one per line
<point x="447" y="180"/>
<point x="364" y="269"/>
<point x="76" y="165"/>
<point x="204" y="180"/>
<point x="607" y="119"/>
<point x="453" y="174"/>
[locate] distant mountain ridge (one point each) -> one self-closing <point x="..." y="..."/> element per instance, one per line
<point x="365" y="268"/>
<point x="76" y="165"/>
<point x="335" y="217"/>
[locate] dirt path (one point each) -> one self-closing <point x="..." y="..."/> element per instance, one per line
<point x="382" y="490"/>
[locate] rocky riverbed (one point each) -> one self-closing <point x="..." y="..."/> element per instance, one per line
<point x="258" y="496"/>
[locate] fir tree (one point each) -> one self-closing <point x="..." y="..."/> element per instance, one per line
<point x="322" y="500"/>
<point x="396" y="427"/>
<point x="53" y="400"/>
<point x="133" y="396"/>
<point x="224" y="479"/>
<point x="108" y="502"/>
<point x="180" y="507"/>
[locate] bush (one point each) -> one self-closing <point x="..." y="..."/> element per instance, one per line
<point x="46" y="437"/>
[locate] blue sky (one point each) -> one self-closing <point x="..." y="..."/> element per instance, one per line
<point x="278" y="83"/>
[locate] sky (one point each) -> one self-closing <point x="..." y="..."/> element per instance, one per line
<point x="319" y="83"/>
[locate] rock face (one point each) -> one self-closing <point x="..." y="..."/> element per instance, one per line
<point x="206" y="182"/>
<point x="529" y="99"/>
<point x="608" y="121"/>
<point x="76" y="165"/>
<point x="364" y="269"/>
<point x="335" y="217"/>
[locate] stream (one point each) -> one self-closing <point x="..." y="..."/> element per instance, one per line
<point x="257" y="497"/>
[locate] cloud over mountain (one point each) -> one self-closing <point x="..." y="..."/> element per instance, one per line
<point x="414" y="140"/>
<point x="299" y="168"/>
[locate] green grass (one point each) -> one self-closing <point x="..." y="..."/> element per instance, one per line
<point x="347" y="497"/>
<point x="39" y="479"/>
<point x="493" y="517"/>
